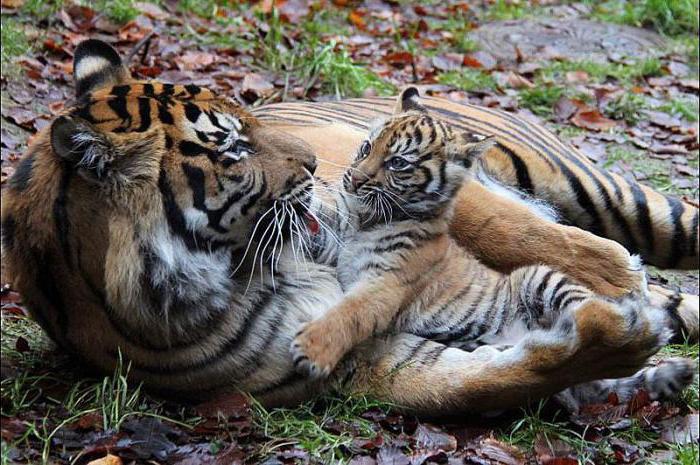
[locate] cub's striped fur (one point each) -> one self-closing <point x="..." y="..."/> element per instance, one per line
<point x="163" y="222"/>
<point x="402" y="272"/>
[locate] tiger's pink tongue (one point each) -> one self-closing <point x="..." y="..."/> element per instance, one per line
<point x="312" y="224"/>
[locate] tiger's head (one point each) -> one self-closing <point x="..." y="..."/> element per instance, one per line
<point x="143" y="188"/>
<point x="412" y="164"/>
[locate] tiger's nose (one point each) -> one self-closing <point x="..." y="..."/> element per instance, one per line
<point x="311" y="165"/>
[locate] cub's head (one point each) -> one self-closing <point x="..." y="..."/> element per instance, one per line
<point x="412" y="164"/>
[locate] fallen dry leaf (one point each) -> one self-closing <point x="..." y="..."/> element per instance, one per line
<point x="430" y="437"/>
<point x="480" y="59"/>
<point x="639" y="400"/>
<point x="565" y="108"/>
<point x="591" y="118"/>
<point x="552" y="451"/>
<point x="398" y="58"/>
<point x="678" y="69"/>
<point x="670" y="148"/>
<point x="517" y="81"/>
<point x="690" y="83"/>
<point x="194" y="60"/>
<point x="12" y="3"/>
<point x="681" y="430"/>
<point x="356" y="19"/>
<point x="496" y="451"/>
<point x="664" y="120"/>
<point x="255" y="86"/>
<point x="108" y="459"/>
<point x="448" y="62"/>
<point x="362" y="460"/>
<point x="151" y="10"/>
<point x="391" y="455"/>
<point x="228" y="405"/>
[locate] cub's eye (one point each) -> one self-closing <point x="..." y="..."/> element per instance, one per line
<point x="365" y="148"/>
<point x="398" y="164"/>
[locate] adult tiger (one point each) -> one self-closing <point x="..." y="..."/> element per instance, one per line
<point x="127" y="227"/>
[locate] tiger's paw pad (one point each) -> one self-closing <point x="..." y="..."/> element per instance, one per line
<point x="314" y="352"/>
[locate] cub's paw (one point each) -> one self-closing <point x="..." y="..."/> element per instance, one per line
<point x="669" y="378"/>
<point x="315" y="350"/>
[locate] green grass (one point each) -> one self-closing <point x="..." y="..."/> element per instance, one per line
<point x="42" y="9"/>
<point x="503" y="10"/>
<point x="683" y="108"/>
<point x="550" y="84"/>
<point x="14" y="40"/>
<point x="533" y="424"/>
<point x="209" y="9"/>
<point x="599" y="72"/>
<point x="113" y="398"/>
<point x="459" y="25"/>
<point x="314" y="61"/>
<point x="541" y="98"/>
<point x="627" y="107"/>
<point x="671" y="17"/>
<point x="311" y="424"/>
<point x="468" y="79"/>
<point x="657" y="172"/>
<point x="47" y="394"/>
<point x="688" y="45"/>
<point x="685" y="454"/>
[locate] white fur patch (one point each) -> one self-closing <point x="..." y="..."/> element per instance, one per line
<point x="199" y="275"/>
<point x="90" y="65"/>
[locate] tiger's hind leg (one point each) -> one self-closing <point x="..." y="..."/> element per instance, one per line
<point x="665" y="380"/>
<point x="597" y="341"/>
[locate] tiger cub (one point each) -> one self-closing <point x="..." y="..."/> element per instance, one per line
<point x="401" y="271"/>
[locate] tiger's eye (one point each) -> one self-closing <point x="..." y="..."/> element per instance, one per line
<point x="365" y="149"/>
<point x="398" y="164"/>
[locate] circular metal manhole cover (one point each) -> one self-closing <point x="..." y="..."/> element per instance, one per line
<point x="569" y="39"/>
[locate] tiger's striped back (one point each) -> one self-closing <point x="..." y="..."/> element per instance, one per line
<point x="662" y="229"/>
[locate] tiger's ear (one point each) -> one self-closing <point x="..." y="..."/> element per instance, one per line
<point x="408" y="100"/>
<point x="97" y="64"/>
<point x="115" y="159"/>
<point x="466" y="148"/>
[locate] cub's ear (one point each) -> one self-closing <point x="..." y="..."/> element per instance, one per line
<point x="97" y="64"/>
<point x="114" y="159"/>
<point x="466" y="148"/>
<point x="408" y="100"/>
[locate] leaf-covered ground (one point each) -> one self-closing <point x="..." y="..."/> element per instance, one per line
<point x="630" y="108"/>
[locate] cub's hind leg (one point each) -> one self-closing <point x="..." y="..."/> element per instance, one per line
<point x="546" y="300"/>
<point x="597" y="341"/>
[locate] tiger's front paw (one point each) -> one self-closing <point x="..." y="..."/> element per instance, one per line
<point x="316" y="349"/>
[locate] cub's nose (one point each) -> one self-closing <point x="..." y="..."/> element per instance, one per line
<point x="357" y="179"/>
